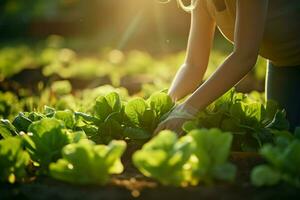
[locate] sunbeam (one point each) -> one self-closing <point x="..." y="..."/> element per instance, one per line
<point x="131" y="30"/>
<point x="160" y="27"/>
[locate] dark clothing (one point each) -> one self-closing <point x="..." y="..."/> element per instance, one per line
<point x="283" y="86"/>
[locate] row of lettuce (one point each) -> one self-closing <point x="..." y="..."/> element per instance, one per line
<point x="86" y="147"/>
<point x="52" y="59"/>
<point x="59" y="95"/>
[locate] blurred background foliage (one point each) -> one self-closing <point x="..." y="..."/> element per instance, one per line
<point x="118" y="23"/>
<point x="88" y="46"/>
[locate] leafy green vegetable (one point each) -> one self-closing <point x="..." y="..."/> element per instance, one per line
<point x="252" y="122"/>
<point x="9" y="104"/>
<point x="13" y="159"/>
<point x="212" y="148"/>
<point x="49" y="111"/>
<point x="75" y="137"/>
<point x="21" y="122"/>
<point x="135" y="110"/>
<point x="34" y="116"/>
<point x="161" y="103"/>
<point x="46" y="139"/>
<point x="61" y="87"/>
<point x="134" y="120"/>
<point x="7" y="129"/>
<point x="139" y="119"/>
<point x="265" y="175"/>
<point x="67" y="117"/>
<point x="105" y="105"/>
<point x="109" y="130"/>
<point x="87" y="163"/>
<point x="279" y="121"/>
<point x="283" y="162"/>
<point x="136" y="134"/>
<point x="164" y="157"/>
<point x="200" y="156"/>
<point x="142" y="117"/>
<point x="86" y="117"/>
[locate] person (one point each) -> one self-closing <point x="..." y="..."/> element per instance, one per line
<point x="270" y="28"/>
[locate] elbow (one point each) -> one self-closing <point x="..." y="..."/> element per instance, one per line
<point x="246" y="58"/>
<point x="194" y="68"/>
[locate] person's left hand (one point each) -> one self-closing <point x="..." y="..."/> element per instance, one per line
<point x="176" y="119"/>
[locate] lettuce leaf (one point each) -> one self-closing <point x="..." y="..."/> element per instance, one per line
<point x="163" y="158"/>
<point x="211" y="151"/>
<point x="283" y="162"/>
<point x="45" y="140"/>
<point x="87" y="163"/>
<point x="105" y="105"/>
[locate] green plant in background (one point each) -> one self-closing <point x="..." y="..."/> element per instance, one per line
<point x="87" y="163"/>
<point x="13" y="159"/>
<point x="14" y="59"/>
<point x="61" y="87"/>
<point x="9" y="105"/>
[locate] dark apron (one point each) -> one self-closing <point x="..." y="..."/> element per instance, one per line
<point x="283" y="86"/>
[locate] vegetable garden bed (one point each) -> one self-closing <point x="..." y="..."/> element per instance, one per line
<point x="238" y="147"/>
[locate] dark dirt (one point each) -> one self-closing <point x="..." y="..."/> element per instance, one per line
<point x="121" y="189"/>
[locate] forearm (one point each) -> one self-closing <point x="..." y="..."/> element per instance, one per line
<point x="191" y="73"/>
<point x="186" y="81"/>
<point x="234" y="68"/>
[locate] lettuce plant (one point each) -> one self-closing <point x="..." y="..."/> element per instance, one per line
<point x="13" y="159"/>
<point x="283" y="161"/>
<point x="45" y="140"/>
<point x="87" y="163"/>
<point x="250" y="120"/>
<point x="67" y="117"/>
<point x="7" y="129"/>
<point x="105" y="105"/>
<point x="140" y="121"/>
<point x="113" y="118"/>
<point x="211" y="149"/>
<point x="21" y="122"/>
<point x="200" y="156"/>
<point x="163" y="158"/>
<point x="142" y="116"/>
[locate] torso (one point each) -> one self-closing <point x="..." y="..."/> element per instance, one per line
<point x="281" y="41"/>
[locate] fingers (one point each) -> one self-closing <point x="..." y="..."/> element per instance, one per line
<point x="174" y="125"/>
<point x="176" y="128"/>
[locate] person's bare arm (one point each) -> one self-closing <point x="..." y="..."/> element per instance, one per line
<point x="191" y="73"/>
<point x="249" y="30"/>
